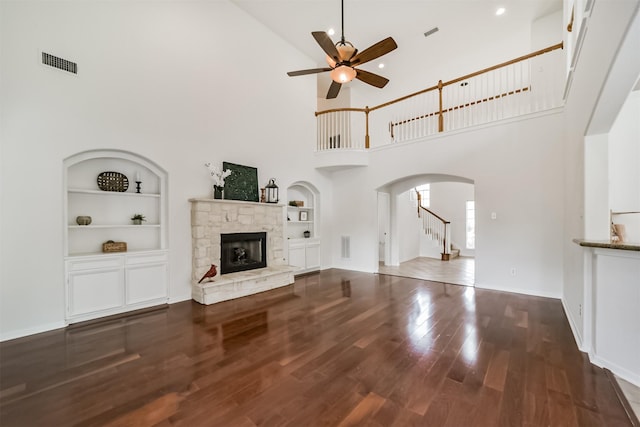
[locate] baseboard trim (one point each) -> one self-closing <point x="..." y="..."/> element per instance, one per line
<point x="529" y="292"/>
<point x="623" y="373"/>
<point x="622" y="398"/>
<point x="31" y="331"/>
<point x="118" y="316"/>
<point x="574" y="329"/>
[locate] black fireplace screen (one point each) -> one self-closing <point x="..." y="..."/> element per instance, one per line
<point x="242" y="251"/>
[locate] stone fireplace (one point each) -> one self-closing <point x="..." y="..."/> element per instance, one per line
<point x="210" y="221"/>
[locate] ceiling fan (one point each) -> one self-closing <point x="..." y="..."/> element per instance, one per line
<point x="343" y="57"/>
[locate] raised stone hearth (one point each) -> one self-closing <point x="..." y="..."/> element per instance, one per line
<point x="209" y="219"/>
<point x="236" y="285"/>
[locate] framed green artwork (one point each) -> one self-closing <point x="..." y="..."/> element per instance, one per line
<point x="242" y="184"/>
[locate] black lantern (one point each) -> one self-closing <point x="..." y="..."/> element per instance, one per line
<point x="272" y="191"/>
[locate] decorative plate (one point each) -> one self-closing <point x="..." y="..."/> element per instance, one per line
<point x="113" y="181"/>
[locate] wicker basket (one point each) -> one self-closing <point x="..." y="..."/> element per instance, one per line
<point x="112" y="246"/>
<point x="113" y="181"/>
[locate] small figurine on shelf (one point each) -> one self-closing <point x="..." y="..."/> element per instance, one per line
<point x="211" y="273"/>
<point x="138" y="218"/>
<point x="138" y="182"/>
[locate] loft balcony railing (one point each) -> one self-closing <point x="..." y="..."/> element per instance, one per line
<point x="529" y="84"/>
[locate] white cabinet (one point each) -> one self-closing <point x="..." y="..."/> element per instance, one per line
<point x="146" y="281"/>
<point x="312" y="255"/>
<point x="100" y="284"/>
<point x="304" y="251"/>
<point x="94" y="291"/>
<point x="103" y="285"/>
<point x="297" y="255"/>
<point x="304" y="254"/>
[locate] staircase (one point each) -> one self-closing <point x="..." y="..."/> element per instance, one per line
<point x="454" y="252"/>
<point x="437" y="229"/>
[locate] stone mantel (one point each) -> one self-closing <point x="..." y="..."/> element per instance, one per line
<point x="212" y="217"/>
<point x="235" y="202"/>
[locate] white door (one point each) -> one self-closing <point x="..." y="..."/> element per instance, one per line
<point x="384" y="225"/>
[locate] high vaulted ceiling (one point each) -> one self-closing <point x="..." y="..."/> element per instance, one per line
<point x="464" y="26"/>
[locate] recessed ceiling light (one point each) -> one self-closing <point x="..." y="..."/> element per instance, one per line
<point x="331" y="31"/>
<point x="500" y="11"/>
<point x="381" y="65"/>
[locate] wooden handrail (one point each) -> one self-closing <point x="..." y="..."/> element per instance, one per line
<point x="468" y="76"/>
<point x="504" y="64"/>
<point x="439" y="87"/>
<point x="336" y="110"/>
<point x="444" y="221"/>
<point x="570" y="25"/>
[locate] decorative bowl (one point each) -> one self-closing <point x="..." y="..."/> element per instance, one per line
<point x="83" y="220"/>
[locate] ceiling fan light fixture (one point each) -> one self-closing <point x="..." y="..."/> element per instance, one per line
<point x="342" y="74"/>
<point x="346" y="51"/>
<point x="330" y="61"/>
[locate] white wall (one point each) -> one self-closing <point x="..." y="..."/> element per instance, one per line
<point x="624" y="167"/>
<point x="502" y="160"/>
<point x="596" y="188"/>
<point x="408" y="227"/>
<point x="593" y="101"/>
<point x="172" y="81"/>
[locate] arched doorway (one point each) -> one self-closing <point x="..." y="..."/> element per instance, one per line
<point x="411" y="246"/>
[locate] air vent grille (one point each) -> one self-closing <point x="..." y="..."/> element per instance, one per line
<point x="345" y="249"/>
<point x="431" y="31"/>
<point x="59" y="63"/>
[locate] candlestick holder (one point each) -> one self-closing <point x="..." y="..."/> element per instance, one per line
<point x="138" y="186"/>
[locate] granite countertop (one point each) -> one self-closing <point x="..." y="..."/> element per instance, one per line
<point x="607" y="244"/>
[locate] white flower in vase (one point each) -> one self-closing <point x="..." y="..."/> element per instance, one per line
<point x="217" y="176"/>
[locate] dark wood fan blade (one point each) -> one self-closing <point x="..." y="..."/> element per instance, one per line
<point x="309" y="71"/>
<point x="377" y="50"/>
<point x="326" y="44"/>
<point x="334" y="90"/>
<point x="372" y="79"/>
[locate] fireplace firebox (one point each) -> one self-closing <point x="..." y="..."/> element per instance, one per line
<point x="242" y="251"/>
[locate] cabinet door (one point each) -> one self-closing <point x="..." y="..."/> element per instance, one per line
<point x="94" y="291"/>
<point x="297" y="256"/>
<point x="146" y="283"/>
<point x="312" y="258"/>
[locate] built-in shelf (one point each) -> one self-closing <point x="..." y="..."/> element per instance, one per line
<point x="79" y="255"/>
<point x="111" y="193"/>
<point x="99" y="284"/>
<point x="299" y="208"/>
<point x="117" y="226"/>
<point x="303" y="252"/>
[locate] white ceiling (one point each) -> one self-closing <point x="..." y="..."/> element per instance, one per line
<point x="463" y="25"/>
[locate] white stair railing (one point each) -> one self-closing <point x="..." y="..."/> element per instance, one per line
<point x="436" y="228"/>
<point x="528" y="84"/>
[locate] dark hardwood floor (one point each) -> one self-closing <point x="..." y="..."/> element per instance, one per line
<point x="336" y="348"/>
